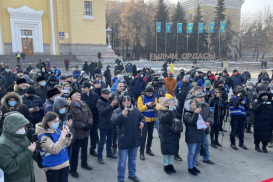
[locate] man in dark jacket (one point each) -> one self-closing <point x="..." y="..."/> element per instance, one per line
<point x="91" y="99"/>
<point x="10" y="77"/>
<point x="29" y="68"/>
<point x="34" y="104"/>
<point x="165" y="66"/>
<point x="76" y="73"/>
<point x="82" y="119"/>
<point x="208" y="117"/>
<point x="42" y="89"/>
<point x="92" y="70"/>
<point x="3" y="88"/>
<point x="99" y="78"/>
<point x="237" y="79"/>
<point x="69" y="79"/>
<point x="108" y="76"/>
<point x="246" y="75"/>
<point x="85" y="67"/>
<point x="198" y="77"/>
<point x="129" y="68"/>
<point x="51" y="94"/>
<point x="181" y="91"/>
<point x="52" y="81"/>
<point x="20" y="86"/>
<point x="129" y="122"/>
<point x="105" y="108"/>
<point x="263" y="86"/>
<point x="138" y="85"/>
<point x="228" y="81"/>
<point x="238" y="107"/>
<point x="66" y="64"/>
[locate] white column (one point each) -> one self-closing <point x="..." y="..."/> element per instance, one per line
<point x="1" y="48"/>
<point x="52" y="27"/>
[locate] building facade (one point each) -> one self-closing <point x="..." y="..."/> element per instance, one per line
<point x="52" y="27"/>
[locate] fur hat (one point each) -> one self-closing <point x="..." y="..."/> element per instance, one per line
<point x="21" y="80"/>
<point x="50" y="93"/>
<point x="40" y="78"/>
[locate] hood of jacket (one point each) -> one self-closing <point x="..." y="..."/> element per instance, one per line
<point x="187" y="105"/>
<point x="16" y="88"/>
<point x="263" y="93"/>
<point x="52" y="78"/>
<point x="13" y="122"/>
<point x="39" y="130"/>
<point x="59" y="103"/>
<point x="120" y="100"/>
<point x="5" y="105"/>
<point x="203" y="75"/>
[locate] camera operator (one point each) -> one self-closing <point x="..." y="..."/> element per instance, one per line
<point x="238" y="107"/>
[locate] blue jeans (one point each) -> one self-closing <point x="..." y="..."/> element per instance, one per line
<point x="193" y="152"/>
<point x="167" y="159"/>
<point x="122" y="158"/>
<point x="103" y="134"/>
<point x="240" y="126"/>
<point x="206" y="139"/>
<point x="157" y="125"/>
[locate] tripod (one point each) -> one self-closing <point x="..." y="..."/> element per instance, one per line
<point x="225" y="120"/>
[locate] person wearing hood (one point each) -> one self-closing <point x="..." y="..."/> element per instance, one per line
<point x="137" y="85"/>
<point x="147" y="106"/>
<point x="208" y="117"/>
<point x="34" y="104"/>
<point x="48" y="73"/>
<point x="129" y="68"/>
<point x="66" y="64"/>
<point x="198" y="77"/>
<point x="119" y="80"/>
<point x="20" y="86"/>
<point x="207" y="89"/>
<point x="129" y="123"/>
<point x="29" y="68"/>
<point x="201" y="82"/>
<point x="251" y="96"/>
<point x="263" y="86"/>
<point x="83" y="120"/>
<point x="105" y="107"/>
<point x="180" y="76"/>
<point x="42" y="89"/>
<point x="76" y="73"/>
<point x="108" y="76"/>
<point x="160" y="88"/>
<point x="13" y="102"/>
<point x="169" y="140"/>
<point x="181" y="91"/>
<point x="52" y="95"/>
<point x="193" y="136"/>
<point x="262" y="109"/>
<point x="238" y="107"/>
<point x="9" y="76"/>
<point x="85" y="68"/>
<point x="16" y="151"/>
<point x="91" y="99"/>
<point x="61" y="108"/>
<point x="217" y="125"/>
<point x="51" y="81"/>
<point x="170" y="83"/>
<point x="237" y="79"/>
<point x="54" y="148"/>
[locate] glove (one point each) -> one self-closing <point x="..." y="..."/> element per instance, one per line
<point x="86" y="127"/>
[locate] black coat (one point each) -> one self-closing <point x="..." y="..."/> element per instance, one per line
<point x="3" y="85"/>
<point x="91" y="101"/>
<point x="9" y="78"/>
<point x="51" y="78"/>
<point x="107" y="75"/>
<point x="128" y="132"/>
<point x="105" y="111"/>
<point x="85" y="68"/>
<point x="169" y="140"/>
<point x="263" y="123"/>
<point x="185" y="88"/>
<point x="91" y="69"/>
<point x="32" y="103"/>
<point x="134" y="70"/>
<point x="213" y="103"/>
<point x="180" y="77"/>
<point x="41" y="92"/>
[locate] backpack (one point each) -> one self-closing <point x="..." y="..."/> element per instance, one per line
<point x="39" y="158"/>
<point x="177" y="126"/>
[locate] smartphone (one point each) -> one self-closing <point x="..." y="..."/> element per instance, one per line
<point x="199" y="105"/>
<point x="34" y="138"/>
<point x="65" y="123"/>
<point x="115" y="97"/>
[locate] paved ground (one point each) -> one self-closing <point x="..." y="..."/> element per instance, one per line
<point x="230" y="166"/>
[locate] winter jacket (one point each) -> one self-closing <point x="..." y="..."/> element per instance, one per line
<point x="81" y="116"/>
<point x="169" y="140"/>
<point x="170" y="83"/>
<point x="129" y="68"/>
<point x="91" y="69"/>
<point x="3" y="85"/>
<point x="165" y="66"/>
<point x="213" y="104"/>
<point x="50" y="79"/>
<point x="100" y="65"/>
<point x="211" y="78"/>
<point x="128" y="132"/>
<point x="18" y="90"/>
<point x="184" y="90"/>
<point x="192" y="134"/>
<point x="263" y="123"/>
<point x="105" y="110"/>
<point x="114" y="86"/>
<point x="251" y="96"/>
<point x="107" y="75"/>
<point x="180" y="77"/>
<point x="66" y="62"/>
<point x="29" y="68"/>
<point x="91" y="101"/>
<point x="246" y="75"/>
<point x="237" y="80"/>
<point x="48" y="105"/>
<point x="20" y="107"/>
<point x="235" y="106"/>
<point x="85" y="68"/>
<point x="16" y="158"/>
<point x="134" y="70"/>
<point x="9" y="78"/>
<point x="149" y="113"/>
<point x="77" y="74"/>
<point x="137" y="86"/>
<point x="162" y="89"/>
<point x="41" y="92"/>
<point x="32" y="103"/>
<point x="201" y="82"/>
<point x="263" y="86"/>
<point x="57" y="73"/>
<point x="207" y="115"/>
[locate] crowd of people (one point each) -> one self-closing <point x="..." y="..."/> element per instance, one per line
<point x="47" y="117"/>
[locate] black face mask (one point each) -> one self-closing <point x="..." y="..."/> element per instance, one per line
<point x="182" y="73"/>
<point x="30" y="97"/>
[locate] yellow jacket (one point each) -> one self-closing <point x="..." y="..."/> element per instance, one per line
<point x="172" y="68"/>
<point x="141" y="107"/>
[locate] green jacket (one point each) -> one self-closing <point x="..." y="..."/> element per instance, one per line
<point x="16" y="158"/>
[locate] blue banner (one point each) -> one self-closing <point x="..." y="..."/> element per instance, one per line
<point x="211" y="29"/>
<point x="158" y="26"/>
<point x="222" y="26"/>
<point x="190" y="25"/>
<point x="168" y="27"/>
<point x="201" y="28"/>
<point x="179" y="27"/>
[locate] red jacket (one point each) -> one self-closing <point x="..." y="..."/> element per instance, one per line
<point x="232" y="74"/>
<point x="212" y="77"/>
<point x="68" y="61"/>
<point x="144" y="79"/>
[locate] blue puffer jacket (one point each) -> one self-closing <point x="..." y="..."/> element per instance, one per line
<point x="48" y="106"/>
<point x="237" y="80"/>
<point x="138" y="85"/>
<point x="128" y="132"/>
<point x="32" y="103"/>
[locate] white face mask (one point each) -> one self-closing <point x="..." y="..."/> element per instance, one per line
<point x="21" y="131"/>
